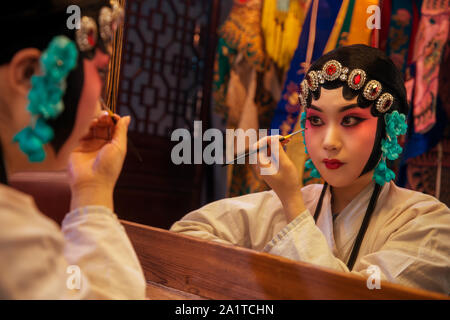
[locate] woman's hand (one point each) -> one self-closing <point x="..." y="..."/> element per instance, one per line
<point x="95" y="165"/>
<point x="281" y="174"/>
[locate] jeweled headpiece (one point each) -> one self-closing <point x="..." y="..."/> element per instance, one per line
<point x="87" y="36"/>
<point x="355" y="79"/>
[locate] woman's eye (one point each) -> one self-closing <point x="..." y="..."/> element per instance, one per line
<point x="351" y="121"/>
<point x="315" y="121"/>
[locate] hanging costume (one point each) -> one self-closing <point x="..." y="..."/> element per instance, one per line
<point x="246" y="85"/>
<point x="424" y="164"/>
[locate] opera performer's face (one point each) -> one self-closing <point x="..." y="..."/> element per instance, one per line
<point x="339" y="137"/>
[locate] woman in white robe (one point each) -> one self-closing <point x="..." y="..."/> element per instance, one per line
<point x="359" y="221"/>
<point x="91" y="257"/>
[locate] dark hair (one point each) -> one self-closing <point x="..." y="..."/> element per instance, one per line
<point x="32" y="24"/>
<point x="378" y="66"/>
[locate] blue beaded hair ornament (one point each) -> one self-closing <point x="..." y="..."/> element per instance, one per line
<point x="395" y="121"/>
<point x="45" y="96"/>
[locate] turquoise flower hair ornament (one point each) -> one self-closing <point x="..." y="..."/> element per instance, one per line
<point x="382" y="173"/>
<point x="308" y="164"/>
<point x="395" y="126"/>
<point x="45" y="96"/>
<point x="395" y="123"/>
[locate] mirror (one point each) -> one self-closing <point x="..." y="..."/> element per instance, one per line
<point x="163" y="75"/>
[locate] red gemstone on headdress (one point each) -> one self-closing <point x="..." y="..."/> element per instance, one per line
<point x="90" y="38"/>
<point x="357" y="79"/>
<point x="387" y="104"/>
<point x="331" y="69"/>
<point x="374" y="90"/>
<point x="309" y="80"/>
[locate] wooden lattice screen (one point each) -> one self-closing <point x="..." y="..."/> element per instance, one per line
<point x="165" y="81"/>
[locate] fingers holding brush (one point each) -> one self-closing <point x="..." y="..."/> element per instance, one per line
<point x="101" y="127"/>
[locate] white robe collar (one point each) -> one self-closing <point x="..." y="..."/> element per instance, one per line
<point x="341" y="234"/>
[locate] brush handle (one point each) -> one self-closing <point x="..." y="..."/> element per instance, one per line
<point x="248" y="153"/>
<point x="244" y="155"/>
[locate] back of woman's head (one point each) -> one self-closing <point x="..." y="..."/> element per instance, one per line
<point x="33" y="23"/>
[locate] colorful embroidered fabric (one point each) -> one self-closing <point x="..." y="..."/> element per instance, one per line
<point x="422" y="145"/>
<point x="288" y="108"/>
<point x="243" y="88"/>
<point x="281" y="23"/>
<point x="338" y="25"/>
<point x="342" y="39"/>
<point x="354" y="29"/>
<point x="431" y="39"/>
<point x="240" y="33"/>
<point x="359" y="33"/>
<point x="400" y="29"/>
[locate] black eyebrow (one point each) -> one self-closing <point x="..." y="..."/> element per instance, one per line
<point x="350" y="106"/>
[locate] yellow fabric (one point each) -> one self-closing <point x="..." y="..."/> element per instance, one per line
<point x="282" y="29"/>
<point x="242" y="31"/>
<point x="359" y="33"/>
<point x="334" y="36"/>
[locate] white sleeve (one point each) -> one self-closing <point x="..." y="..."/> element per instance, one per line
<point x="248" y="221"/>
<point x="415" y="255"/>
<point x="97" y="243"/>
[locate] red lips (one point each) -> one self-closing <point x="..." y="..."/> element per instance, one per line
<point x="332" y="163"/>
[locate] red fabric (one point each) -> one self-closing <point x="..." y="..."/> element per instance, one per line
<point x="415" y="27"/>
<point x="383" y="34"/>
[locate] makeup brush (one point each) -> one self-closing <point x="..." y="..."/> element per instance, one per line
<point x="248" y="153"/>
<point x="129" y="142"/>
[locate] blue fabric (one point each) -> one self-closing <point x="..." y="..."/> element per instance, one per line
<point x="418" y="144"/>
<point x="400" y="30"/>
<point x="326" y="16"/>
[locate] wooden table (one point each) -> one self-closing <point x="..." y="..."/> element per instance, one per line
<point x="182" y="267"/>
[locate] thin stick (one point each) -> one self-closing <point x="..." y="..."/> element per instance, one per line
<point x="249" y="153"/>
<point x="130" y="143"/>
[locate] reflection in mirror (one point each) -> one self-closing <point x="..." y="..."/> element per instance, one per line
<point x="166" y="76"/>
<point x="334" y="206"/>
<point x="358" y="220"/>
